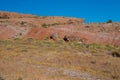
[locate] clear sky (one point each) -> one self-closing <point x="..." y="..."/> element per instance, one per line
<point x="90" y="10"/>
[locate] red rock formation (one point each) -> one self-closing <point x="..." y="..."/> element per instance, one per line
<point x="30" y="26"/>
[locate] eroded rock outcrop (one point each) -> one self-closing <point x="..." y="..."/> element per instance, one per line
<point x="13" y="25"/>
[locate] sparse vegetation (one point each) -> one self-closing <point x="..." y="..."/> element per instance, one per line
<point x="109" y="21"/>
<point x="59" y="55"/>
<point x="1" y="78"/>
<point x="44" y="25"/>
<point x="23" y="23"/>
<point x="115" y="54"/>
<point x="49" y="25"/>
<point x="4" y="17"/>
<point x="46" y="38"/>
<point x="20" y="78"/>
<point x="70" y="50"/>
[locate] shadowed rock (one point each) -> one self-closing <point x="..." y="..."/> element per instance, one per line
<point x="70" y="38"/>
<point x="54" y="36"/>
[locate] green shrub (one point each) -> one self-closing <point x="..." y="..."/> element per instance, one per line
<point x="109" y="21"/>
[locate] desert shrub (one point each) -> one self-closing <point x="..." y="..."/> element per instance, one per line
<point x="8" y="47"/>
<point x="44" y="25"/>
<point x="20" y="17"/>
<point x="30" y="39"/>
<point x="20" y="34"/>
<point x="48" y="25"/>
<point x="23" y="23"/>
<point x="20" y="78"/>
<point x="115" y="77"/>
<point x="1" y="78"/>
<point x="23" y="50"/>
<point x="4" y="17"/>
<point x="109" y="21"/>
<point x="115" y="54"/>
<point x="46" y="38"/>
<point x="54" y="24"/>
<point x="59" y="42"/>
<point x="3" y="21"/>
<point x="6" y="42"/>
<point x="16" y="38"/>
<point x="93" y="62"/>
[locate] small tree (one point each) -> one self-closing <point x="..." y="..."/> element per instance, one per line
<point x="109" y="21"/>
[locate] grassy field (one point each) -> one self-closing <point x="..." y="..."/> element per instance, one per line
<point x="30" y="59"/>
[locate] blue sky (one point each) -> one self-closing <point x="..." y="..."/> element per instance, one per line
<point x="90" y="10"/>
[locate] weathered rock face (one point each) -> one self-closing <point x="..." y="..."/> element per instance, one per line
<point x="84" y="36"/>
<point x="13" y="25"/>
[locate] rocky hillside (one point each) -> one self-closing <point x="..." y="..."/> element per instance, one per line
<point x="14" y="25"/>
<point x="57" y="48"/>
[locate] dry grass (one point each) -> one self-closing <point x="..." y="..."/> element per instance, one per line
<point x="30" y="59"/>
